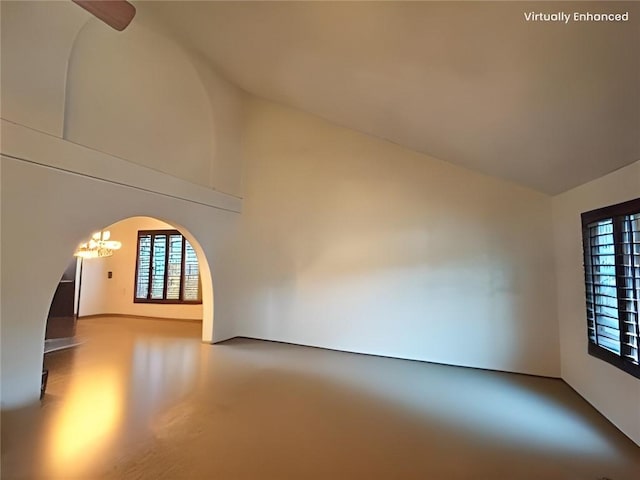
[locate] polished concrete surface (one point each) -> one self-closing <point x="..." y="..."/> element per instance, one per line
<point x="144" y="399"/>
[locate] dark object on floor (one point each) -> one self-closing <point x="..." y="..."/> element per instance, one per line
<point x="43" y="382"/>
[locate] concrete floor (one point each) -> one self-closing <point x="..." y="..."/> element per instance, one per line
<point x="143" y="399"/>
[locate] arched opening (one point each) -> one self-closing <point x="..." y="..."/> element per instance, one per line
<point x="42" y="226"/>
<point x="158" y="271"/>
<point x="146" y="350"/>
<point x="106" y="283"/>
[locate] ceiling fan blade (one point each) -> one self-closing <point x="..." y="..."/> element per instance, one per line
<point x="115" y="13"/>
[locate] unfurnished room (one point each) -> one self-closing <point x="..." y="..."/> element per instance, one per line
<point x="320" y="240"/>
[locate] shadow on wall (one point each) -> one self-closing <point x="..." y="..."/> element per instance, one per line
<point x="389" y="273"/>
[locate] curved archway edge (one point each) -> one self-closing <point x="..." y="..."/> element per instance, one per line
<point x="125" y="231"/>
<point x="41" y="227"/>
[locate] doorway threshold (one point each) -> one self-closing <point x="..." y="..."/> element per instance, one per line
<point x="55" y="344"/>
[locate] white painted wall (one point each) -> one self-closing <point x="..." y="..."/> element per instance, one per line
<point x="103" y="295"/>
<point x="136" y="94"/>
<point x="353" y="243"/>
<point x="35" y="41"/>
<point x="614" y="393"/>
<point x="346" y="241"/>
<point x="43" y="203"/>
<point x="227" y="105"/>
<point x="42" y="191"/>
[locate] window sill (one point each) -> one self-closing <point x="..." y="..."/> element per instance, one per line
<point x="613" y="359"/>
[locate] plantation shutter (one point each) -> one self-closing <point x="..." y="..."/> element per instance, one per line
<point x="144" y="266"/>
<point x="611" y="242"/>
<point x="174" y="273"/>
<point x="167" y="268"/>
<point x="629" y="288"/>
<point x="602" y="300"/>
<point x="158" y="265"/>
<point x="191" y="274"/>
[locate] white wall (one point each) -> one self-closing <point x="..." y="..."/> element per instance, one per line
<point x="53" y="185"/>
<point x="346" y="241"/>
<point x="135" y="94"/>
<point x="352" y="243"/>
<point x="227" y="105"/>
<point x="614" y="393"/>
<point x="39" y="204"/>
<point x="349" y="242"/>
<point x="36" y="38"/>
<point x="103" y="295"/>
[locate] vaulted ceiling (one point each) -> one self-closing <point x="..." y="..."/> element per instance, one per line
<point x="547" y="105"/>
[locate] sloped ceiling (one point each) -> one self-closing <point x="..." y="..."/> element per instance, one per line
<point x="547" y="105"/>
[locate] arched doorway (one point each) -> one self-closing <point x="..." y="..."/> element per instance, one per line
<point x="47" y="212"/>
<point x="158" y="271"/>
<point x="132" y="353"/>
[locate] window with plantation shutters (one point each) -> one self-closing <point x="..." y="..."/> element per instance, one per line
<point x="611" y="243"/>
<point x="166" y="269"/>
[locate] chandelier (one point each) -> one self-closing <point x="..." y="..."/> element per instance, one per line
<point x="99" y="246"/>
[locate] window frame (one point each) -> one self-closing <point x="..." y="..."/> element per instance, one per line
<point x="164" y="300"/>
<point x="616" y="213"/>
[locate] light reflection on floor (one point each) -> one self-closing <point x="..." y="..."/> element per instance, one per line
<point x="146" y="399"/>
<point x="86" y="422"/>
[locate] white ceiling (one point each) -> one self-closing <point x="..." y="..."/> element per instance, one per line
<point x="547" y="105"/>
